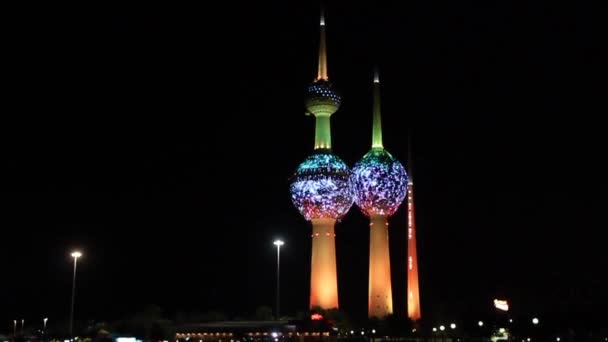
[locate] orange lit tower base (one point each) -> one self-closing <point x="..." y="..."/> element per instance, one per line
<point x="380" y="301"/>
<point x="323" y="277"/>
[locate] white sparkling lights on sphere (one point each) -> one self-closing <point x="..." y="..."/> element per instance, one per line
<point x="379" y="182"/>
<point x="320" y="187"/>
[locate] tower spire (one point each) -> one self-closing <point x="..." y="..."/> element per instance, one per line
<point x="377" y="125"/>
<point x="322" y="72"/>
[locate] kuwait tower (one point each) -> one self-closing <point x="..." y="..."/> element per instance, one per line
<point x="413" y="290"/>
<point x="320" y="188"/>
<point x="379" y="183"/>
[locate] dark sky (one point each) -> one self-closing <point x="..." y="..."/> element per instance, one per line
<point x="160" y="140"/>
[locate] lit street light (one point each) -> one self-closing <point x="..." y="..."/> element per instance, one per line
<point x="441" y="327"/>
<point x="453" y="326"/>
<point x="278" y="243"/>
<point x="535" y="321"/>
<point x="480" y="323"/>
<point x="75" y="255"/>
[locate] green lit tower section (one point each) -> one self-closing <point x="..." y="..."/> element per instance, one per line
<point x="320" y="188"/>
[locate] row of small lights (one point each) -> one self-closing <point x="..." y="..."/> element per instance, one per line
<point x="453" y="326"/>
<point x="535" y="321"/>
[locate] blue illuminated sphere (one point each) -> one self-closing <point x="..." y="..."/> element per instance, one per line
<point x="322" y="99"/>
<point x="320" y="187"/>
<point x="379" y="183"/>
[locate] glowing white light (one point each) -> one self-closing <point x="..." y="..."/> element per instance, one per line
<point x="373" y="331"/>
<point x="434" y="329"/>
<point x="480" y="323"/>
<point x="501" y="330"/>
<point x="441" y="327"/>
<point x="76" y="254"/>
<point x="278" y="243"/>
<point x="274" y="334"/>
<point x="557" y="339"/>
<point x="534" y="320"/>
<point x="453" y="326"/>
<point x="501" y="304"/>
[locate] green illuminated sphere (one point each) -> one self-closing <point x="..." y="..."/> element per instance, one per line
<point x="379" y="182"/>
<point x="322" y="99"/>
<point x="320" y="187"/>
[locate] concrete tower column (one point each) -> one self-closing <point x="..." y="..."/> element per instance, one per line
<point x="380" y="289"/>
<point x="323" y="276"/>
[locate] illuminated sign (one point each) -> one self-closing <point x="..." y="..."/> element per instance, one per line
<point x="501" y="304"/>
<point x="316" y="317"/>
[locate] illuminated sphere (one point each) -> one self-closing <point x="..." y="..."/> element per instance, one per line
<point x="379" y="183"/>
<point x="322" y="99"/>
<point x="320" y="187"/>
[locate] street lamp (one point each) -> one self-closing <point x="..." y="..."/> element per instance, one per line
<point x="441" y="327"/>
<point x="535" y="321"/>
<point x="453" y="326"/>
<point x="278" y="243"/>
<point x="480" y="323"/>
<point x="75" y="255"/>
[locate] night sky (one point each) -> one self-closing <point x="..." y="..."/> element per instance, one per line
<point x="160" y="141"/>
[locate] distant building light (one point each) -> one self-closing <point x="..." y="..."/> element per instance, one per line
<point x="502" y="305"/>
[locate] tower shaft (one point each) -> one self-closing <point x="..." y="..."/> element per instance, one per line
<point x="380" y="289"/>
<point x="322" y="132"/>
<point x="323" y="276"/>
<point x="413" y="291"/>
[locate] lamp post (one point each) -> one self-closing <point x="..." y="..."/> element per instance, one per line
<point x="278" y="243"/>
<point x="75" y="255"/>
